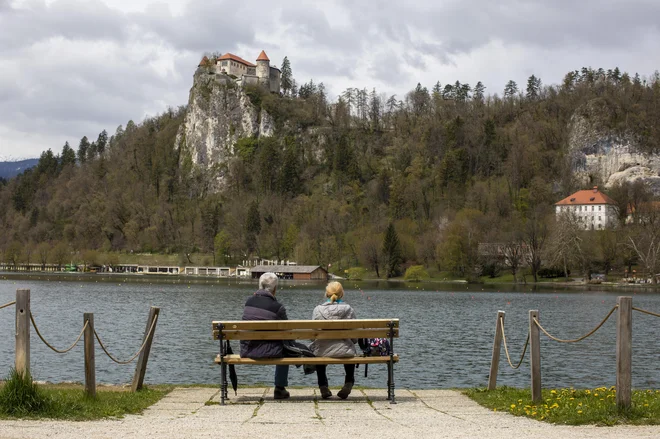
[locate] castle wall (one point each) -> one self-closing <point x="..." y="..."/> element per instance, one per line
<point x="250" y="80"/>
<point x="274" y="80"/>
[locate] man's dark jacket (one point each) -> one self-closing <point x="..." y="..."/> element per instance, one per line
<point x="262" y="306"/>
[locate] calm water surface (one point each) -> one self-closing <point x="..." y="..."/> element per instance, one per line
<point x="446" y="336"/>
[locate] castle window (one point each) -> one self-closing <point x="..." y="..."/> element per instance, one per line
<point x="599" y="208"/>
<point x="592" y="208"/>
<point x="224" y="63"/>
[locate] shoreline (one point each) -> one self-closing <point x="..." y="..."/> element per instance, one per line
<point x="433" y="283"/>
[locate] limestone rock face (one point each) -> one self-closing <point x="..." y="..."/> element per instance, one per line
<point x="598" y="155"/>
<point x="219" y="113"/>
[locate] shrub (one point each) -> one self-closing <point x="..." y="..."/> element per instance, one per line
<point x="491" y="269"/>
<point x="355" y="273"/>
<point x="20" y="396"/>
<point x="552" y="272"/>
<point x="415" y="273"/>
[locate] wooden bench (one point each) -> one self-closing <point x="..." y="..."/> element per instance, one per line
<point x="306" y="330"/>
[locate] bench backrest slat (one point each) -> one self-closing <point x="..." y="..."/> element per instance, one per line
<point x="304" y="334"/>
<point x="265" y="325"/>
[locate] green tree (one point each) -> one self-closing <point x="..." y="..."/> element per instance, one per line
<point x="511" y="89"/>
<point x="479" y="92"/>
<point x="252" y="226"/>
<point x="68" y="156"/>
<point x="222" y="246"/>
<point x="83" y="150"/>
<point x="415" y="273"/>
<point x="460" y="248"/>
<point x="392" y="252"/>
<point x="533" y="87"/>
<point x="286" y="78"/>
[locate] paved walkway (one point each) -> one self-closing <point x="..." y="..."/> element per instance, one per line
<point x="184" y="413"/>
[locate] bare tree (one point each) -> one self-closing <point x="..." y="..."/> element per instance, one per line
<point x="645" y="241"/>
<point x="535" y="234"/>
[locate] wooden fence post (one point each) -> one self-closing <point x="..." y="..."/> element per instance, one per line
<point x="141" y="367"/>
<point x="90" y="360"/>
<point x="624" y="352"/>
<point x="535" y="356"/>
<point x="495" y="358"/>
<point x="22" y="363"/>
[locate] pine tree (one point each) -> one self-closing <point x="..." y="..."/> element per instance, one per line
<point x="392" y="252"/>
<point x="533" y="87"/>
<point x="511" y="89"/>
<point x="287" y="76"/>
<point x="478" y="94"/>
<point x="68" y="156"/>
<point x="102" y="142"/>
<point x="83" y="150"/>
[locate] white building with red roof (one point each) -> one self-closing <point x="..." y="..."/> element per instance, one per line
<point x="594" y="209"/>
<point x="245" y="72"/>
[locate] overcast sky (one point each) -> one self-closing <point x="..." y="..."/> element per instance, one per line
<point x="70" y="68"/>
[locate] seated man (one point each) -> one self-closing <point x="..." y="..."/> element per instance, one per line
<point x="262" y="305"/>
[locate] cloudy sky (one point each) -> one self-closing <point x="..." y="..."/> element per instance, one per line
<point x="70" y="68"/>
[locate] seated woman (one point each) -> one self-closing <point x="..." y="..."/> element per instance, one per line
<point x="334" y="309"/>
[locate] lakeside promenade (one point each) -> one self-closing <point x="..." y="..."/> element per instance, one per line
<point x="195" y="413"/>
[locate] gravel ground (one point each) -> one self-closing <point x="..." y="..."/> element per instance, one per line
<point x="254" y="414"/>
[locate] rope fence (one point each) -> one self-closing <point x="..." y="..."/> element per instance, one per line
<point x="25" y="320"/>
<point x="59" y="351"/>
<point x="506" y="349"/>
<point x="8" y="304"/>
<point x="623" y="349"/>
<point x="575" y="340"/>
<point x="646" y="312"/>
<point x="147" y="338"/>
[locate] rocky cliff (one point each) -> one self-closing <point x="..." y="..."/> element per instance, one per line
<point x="219" y="113"/>
<point x="600" y="155"/>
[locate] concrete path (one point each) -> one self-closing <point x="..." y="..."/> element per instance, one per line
<point x="184" y="413"/>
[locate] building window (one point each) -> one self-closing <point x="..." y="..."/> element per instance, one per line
<point x="599" y="218"/>
<point x="599" y="227"/>
<point x="224" y="63"/>
<point x="599" y="208"/>
<point x="592" y="208"/>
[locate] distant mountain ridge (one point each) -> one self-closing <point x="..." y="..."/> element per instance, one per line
<point x="11" y="169"/>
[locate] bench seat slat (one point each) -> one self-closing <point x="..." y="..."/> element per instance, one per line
<point x="305" y="324"/>
<point x="305" y="334"/>
<point x="236" y="359"/>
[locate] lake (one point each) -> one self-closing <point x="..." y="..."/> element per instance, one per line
<point x="446" y="334"/>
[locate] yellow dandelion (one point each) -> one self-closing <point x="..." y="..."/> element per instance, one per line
<point x="513" y="406"/>
<point x="553" y="392"/>
<point x="579" y="412"/>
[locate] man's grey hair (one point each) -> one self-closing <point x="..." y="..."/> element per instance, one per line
<point x="268" y="281"/>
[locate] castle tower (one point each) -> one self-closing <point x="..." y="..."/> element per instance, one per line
<point x="263" y="69"/>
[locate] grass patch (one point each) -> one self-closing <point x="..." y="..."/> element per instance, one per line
<point x="21" y="398"/>
<point x="573" y="407"/>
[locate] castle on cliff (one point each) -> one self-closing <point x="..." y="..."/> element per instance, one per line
<point x="244" y="72"/>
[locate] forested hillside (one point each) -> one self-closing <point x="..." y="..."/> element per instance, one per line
<point x="449" y="167"/>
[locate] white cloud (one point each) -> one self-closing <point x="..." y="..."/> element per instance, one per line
<point x="70" y="68"/>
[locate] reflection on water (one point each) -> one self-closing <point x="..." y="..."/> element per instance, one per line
<point x="446" y="336"/>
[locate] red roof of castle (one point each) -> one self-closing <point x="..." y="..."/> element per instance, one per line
<point x="204" y="61"/>
<point x="587" y="196"/>
<point x="233" y="57"/>
<point x="263" y="56"/>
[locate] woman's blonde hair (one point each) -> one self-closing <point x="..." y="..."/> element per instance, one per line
<point x="334" y="291"/>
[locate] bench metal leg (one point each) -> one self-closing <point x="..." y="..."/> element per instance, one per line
<point x="390" y="383"/>
<point x="223" y="383"/>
